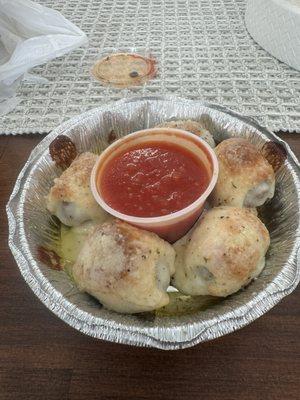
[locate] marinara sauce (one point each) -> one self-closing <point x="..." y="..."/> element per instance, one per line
<point x="152" y="180"/>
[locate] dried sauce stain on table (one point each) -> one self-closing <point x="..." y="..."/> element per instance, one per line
<point x="43" y="358"/>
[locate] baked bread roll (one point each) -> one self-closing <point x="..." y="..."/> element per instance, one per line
<point x="70" y="198"/>
<point x="246" y="179"/>
<point x="223" y="253"/>
<point x="190" y="126"/>
<point x="127" y="269"/>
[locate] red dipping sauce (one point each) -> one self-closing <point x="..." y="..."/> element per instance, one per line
<point x="152" y="180"/>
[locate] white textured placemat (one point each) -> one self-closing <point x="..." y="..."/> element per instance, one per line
<point x="203" y="52"/>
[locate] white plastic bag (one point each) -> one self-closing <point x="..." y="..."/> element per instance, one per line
<point x="30" y="35"/>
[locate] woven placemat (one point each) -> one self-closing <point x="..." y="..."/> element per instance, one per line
<point x="203" y="52"/>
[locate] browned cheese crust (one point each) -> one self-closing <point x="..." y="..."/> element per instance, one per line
<point x="245" y="176"/>
<point x="70" y="198"/>
<point x="225" y="251"/>
<point x="127" y="269"/>
<point x="191" y="126"/>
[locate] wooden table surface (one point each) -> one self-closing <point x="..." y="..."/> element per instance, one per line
<point x="43" y="358"/>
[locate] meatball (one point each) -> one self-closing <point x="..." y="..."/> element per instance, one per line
<point x="127" y="269"/>
<point x="246" y="179"/>
<point x="71" y="199"/>
<point x="223" y="253"/>
<point x="191" y="126"/>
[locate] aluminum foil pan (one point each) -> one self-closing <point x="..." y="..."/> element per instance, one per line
<point x="30" y="225"/>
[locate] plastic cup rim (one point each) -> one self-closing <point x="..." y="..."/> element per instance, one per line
<point x="164" y="218"/>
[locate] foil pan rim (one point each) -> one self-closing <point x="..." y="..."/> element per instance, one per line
<point x="149" y="336"/>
